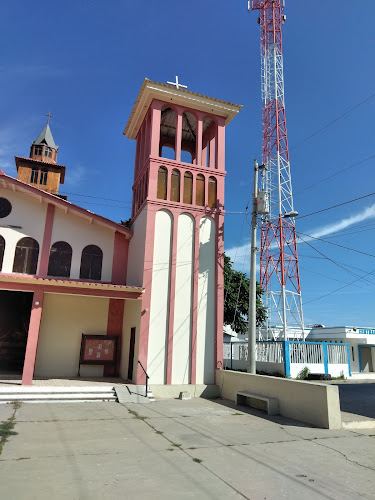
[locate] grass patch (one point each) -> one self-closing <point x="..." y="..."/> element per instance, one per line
<point x="176" y="445"/>
<point x="170" y="449"/>
<point x="137" y="415"/>
<point x="159" y="432"/>
<point x="198" y="460"/>
<point x="192" y="448"/>
<point x="235" y="414"/>
<point x="6" y="427"/>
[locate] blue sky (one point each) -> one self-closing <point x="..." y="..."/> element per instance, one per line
<point x="85" y="61"/>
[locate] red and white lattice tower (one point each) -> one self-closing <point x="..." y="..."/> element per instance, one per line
<point x="279" y="272"/>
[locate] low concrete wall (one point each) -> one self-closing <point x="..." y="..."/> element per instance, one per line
<point x="210" y="391"/>
<point x="308" y="402"/>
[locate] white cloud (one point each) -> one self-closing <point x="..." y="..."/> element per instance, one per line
<point x="75" y="175"/>
<point x="367" y="213"/>
<point x="240" y="255"/>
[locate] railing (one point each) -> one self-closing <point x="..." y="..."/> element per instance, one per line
<point x="147" y="377"/>
<point x="289" y="357"/>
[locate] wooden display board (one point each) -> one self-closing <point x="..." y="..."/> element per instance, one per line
<point x="98" y="350"/>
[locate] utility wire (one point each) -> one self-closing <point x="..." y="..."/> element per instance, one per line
<point x="333" y="261"/>
<point x="336" y="206"/>
<point x="97" y="197"/>
<point x="338" y="289"/>
<point x="332" y="122"/>
<point x="336" y="244"/>
<point x="333" y="175"/>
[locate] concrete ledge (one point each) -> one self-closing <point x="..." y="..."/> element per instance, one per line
<point x="196" y="391"/>
<point x="313" y="403"/>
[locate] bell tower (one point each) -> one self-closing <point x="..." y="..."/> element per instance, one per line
<point x="41" y="168"/>
<point x="178" y="217"/>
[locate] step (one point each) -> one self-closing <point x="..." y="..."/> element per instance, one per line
<point x="55" y="389"/>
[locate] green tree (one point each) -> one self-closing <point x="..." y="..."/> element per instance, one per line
<point x="236" y="299"/>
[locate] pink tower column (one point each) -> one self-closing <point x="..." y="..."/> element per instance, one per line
<point x="198" y="152"/>
<point x="155" y="127"/>
<point x="178" y="135"/>
<point x="32" y="337"/>
<point x="220" y="144"/>
<point x="219" y="219"/>
<point x="146" y="300"/>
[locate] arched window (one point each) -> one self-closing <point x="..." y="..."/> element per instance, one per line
<point x="26" y="256"/>
<point x="60" y="260"/>
<point x="162" y="183"/>
<point x="199" y="196"/>
<point x="175" y="185"/>
<point x="2" y="250"/>
<point x="168" y="122"/>
<point x="188" y="188"/>
<point x="168" y="152"/>
<point x="212" y="192"/>
<point x="91" y="263"/>
<point x="186" y="156"/>
<point x="189" y="137"/>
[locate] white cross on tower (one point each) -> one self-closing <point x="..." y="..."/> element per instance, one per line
<point x="177" y="85"/>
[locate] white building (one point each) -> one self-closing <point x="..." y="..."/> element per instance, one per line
<point x="361" y="341"/>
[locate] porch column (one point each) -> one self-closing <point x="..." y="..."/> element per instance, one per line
<point x="114" y="327"/>
<point x="32" y="337"/>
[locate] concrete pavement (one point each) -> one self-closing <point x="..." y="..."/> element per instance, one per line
<point x="175" y="449"/>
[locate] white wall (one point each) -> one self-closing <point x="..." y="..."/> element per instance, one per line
<point x="206" y="303"/>
<point x="79" y="233"/>
<point x="27" y="212"/>
<point x="310" y="402"/>
<point x="183" y="300"/>
<point x="159" y="306"/>
<point x="30" y="213"/>
<point x="64" y="319"/>
<point x="137" y="250"/>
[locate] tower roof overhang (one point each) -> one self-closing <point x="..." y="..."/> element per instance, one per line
<point x="153" y="90"/>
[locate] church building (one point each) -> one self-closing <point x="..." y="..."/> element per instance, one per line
<point x="73" y="282"/>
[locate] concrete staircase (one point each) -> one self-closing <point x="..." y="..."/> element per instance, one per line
<point x="55" y="394"/>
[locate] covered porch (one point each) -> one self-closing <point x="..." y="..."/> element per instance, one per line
<point x="63" y="310"/>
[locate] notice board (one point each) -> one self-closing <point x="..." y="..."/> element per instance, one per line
<point x="98" y="350"/>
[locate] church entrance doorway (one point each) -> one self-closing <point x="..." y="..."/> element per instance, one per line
<point x="15" y="311"/>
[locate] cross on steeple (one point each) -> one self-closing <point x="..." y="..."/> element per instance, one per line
<point x="49" y="116"/>
<point x="177" y="85"/>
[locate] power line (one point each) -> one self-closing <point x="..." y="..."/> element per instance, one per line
<point x="338" y="289"/>
<point x="336" y="206"/>
<point x="336" y="244"/>
<point x="332" y="122"/>
<point x="99" y="204"/>
<point x="334" y="175"/>
<point x="333" y="261"/>
<point x="97" y="197"/>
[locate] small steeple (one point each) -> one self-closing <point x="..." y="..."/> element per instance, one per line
<point x="44" y="147"/>
<point x="45" y="138"/>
